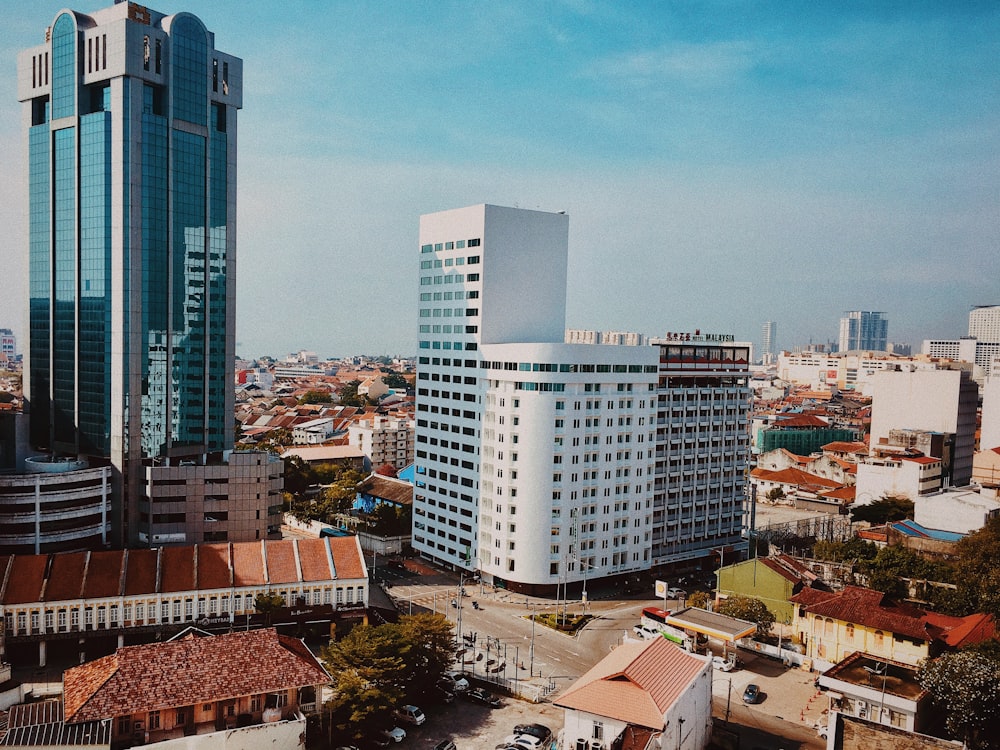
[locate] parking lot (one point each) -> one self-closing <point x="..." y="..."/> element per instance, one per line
<point x="475" y="727"/>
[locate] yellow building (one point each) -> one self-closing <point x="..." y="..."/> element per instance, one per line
<point x="833" y="625"/>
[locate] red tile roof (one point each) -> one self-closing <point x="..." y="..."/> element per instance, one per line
<point x="248" y="564"/>
<point x="873" y="609"/>
<point x="801" y="420"/>
<point x="66" y="577"/>
<point x="140" y="571"/>
<point x="213" y="566"/>
<point x="281" y="567"/>
<point x="348" y="560"/>
<point x="104" y="574"/>
<point x="191" y="670"/>
<point x="63" y="576"/>
<point x="791" y="475"/>
<point x="177" y="569"/>
<point x="636" y="683"/>
<point x="313" y="559"/>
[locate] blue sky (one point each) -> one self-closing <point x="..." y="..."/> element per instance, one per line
<point x="722" y="163"/>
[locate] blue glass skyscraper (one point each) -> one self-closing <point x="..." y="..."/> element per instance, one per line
<point x="130" y="118"/>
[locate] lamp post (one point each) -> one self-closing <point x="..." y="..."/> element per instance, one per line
<point x="531" y="650"/>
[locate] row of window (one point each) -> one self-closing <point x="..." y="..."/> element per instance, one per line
<point x="455" y="245"/>
<point x="449" y="262"/>
<point x="451" y="278"/>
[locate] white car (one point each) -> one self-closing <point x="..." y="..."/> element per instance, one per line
<point x="394" y="735"/>
<point x="724" y="664"/>
<point x="645" y="633"/>
<point x="521" y="741"/>
<point x="676" y="594"/>
<point x="454" y="681"/>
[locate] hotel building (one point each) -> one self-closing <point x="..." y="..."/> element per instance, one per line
<point x="541" y="463"/>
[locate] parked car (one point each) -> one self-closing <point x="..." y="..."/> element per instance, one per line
<point x="410" y="714"/>
<point x="676" y="594"/>
<point x="441" y="694"/>
<point x="393" y="735"/>
<point x="822" y="728"/>
<point x="445" y="745"/>
<point x="520" y="742"/>
<point x="478" y="695"/>
<point x="542" y="732"/>
<point x="724" y="664"/>
<point x="645" y="633"/>
<point x="454" y="681"/>
<point x="751" y="694"/>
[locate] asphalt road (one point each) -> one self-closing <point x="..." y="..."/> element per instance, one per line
<point x="784" y="719"/>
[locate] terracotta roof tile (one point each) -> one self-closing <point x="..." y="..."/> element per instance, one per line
<point x="248" y="564"/>
<point x="25" y="582"/>
<point x="794" y="476"/>
<point x="177" y="569"/>
<point x="104" y="574"/>
<point x="636" y="683"/>
<point x="140" y="571"/>
<point x="281" y="567"/>
<point x="187" y="671"/>
<point x="313" y="559"/>
<point x="348" y="561"/>
<point x="66" y="576"/>
<point x="213" y="566"/>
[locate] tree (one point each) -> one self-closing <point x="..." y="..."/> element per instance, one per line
<point x="267" y="603"/>
<point x="884" y="510"/>
<point x="853" y="549"/>
<point x="893" y="564"/>
<point x="432" y="649"/>
<point x="349" y="394"/>
<point x="316" y="397"/>
<point x="775" y="495"/>
<point x="965" y="687"/>
<point x="977" y="568"/>
<point x="699" y="599"/>
<point x="750" y="609"/>
<point x="396" y="381"/>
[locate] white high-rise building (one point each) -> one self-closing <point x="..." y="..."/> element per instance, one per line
<point x="984" y="323"/>
<point x="540" y="463"/>
<point x="768" y="336"/>
<point x="942" y="401"/>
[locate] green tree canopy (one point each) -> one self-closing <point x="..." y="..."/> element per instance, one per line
<point x="965" y="687"/>
<point x="375" y="668"/>
<point x="853" y="549"/>
<point x="891" y="565"/>
<point x="885" y="509"/>
<point x="316" y="397"/>
<point x="349" y="394"/>
<point x="977" y="568"/>
<point x="751" y="609"/>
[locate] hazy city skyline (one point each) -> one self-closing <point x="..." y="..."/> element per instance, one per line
<point x="724" y="164"/>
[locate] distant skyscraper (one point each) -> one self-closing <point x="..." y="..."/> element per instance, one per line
<point x="860" y="329"/>
<point x="984" y="323"/>
<point x="768" y="336"/>
<point x="130" y="120"/>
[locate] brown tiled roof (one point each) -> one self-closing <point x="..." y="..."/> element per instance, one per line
<point x="313" y="559"/>
<point x="791" y="475"/>
<point x="873" y="609"/>
<point x="248" y="564"/>
<point x="213" y="566"/>
<point x="847" y="493"/>
<point x="140" y="571"/>
<point x="395" y="491"/>
<point x="24" y="584"/>
<point x="801" y="420"/>
<point x="348" y="560"/>
<point x="192" y="670"/>
<point x="177" y="569"/>
<point x="636" y="683"/>
<point x="104" y="574"/>
<point x="281" y="567"/>
<point x="66" y="577"/>
<point x="841" y="446"/>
